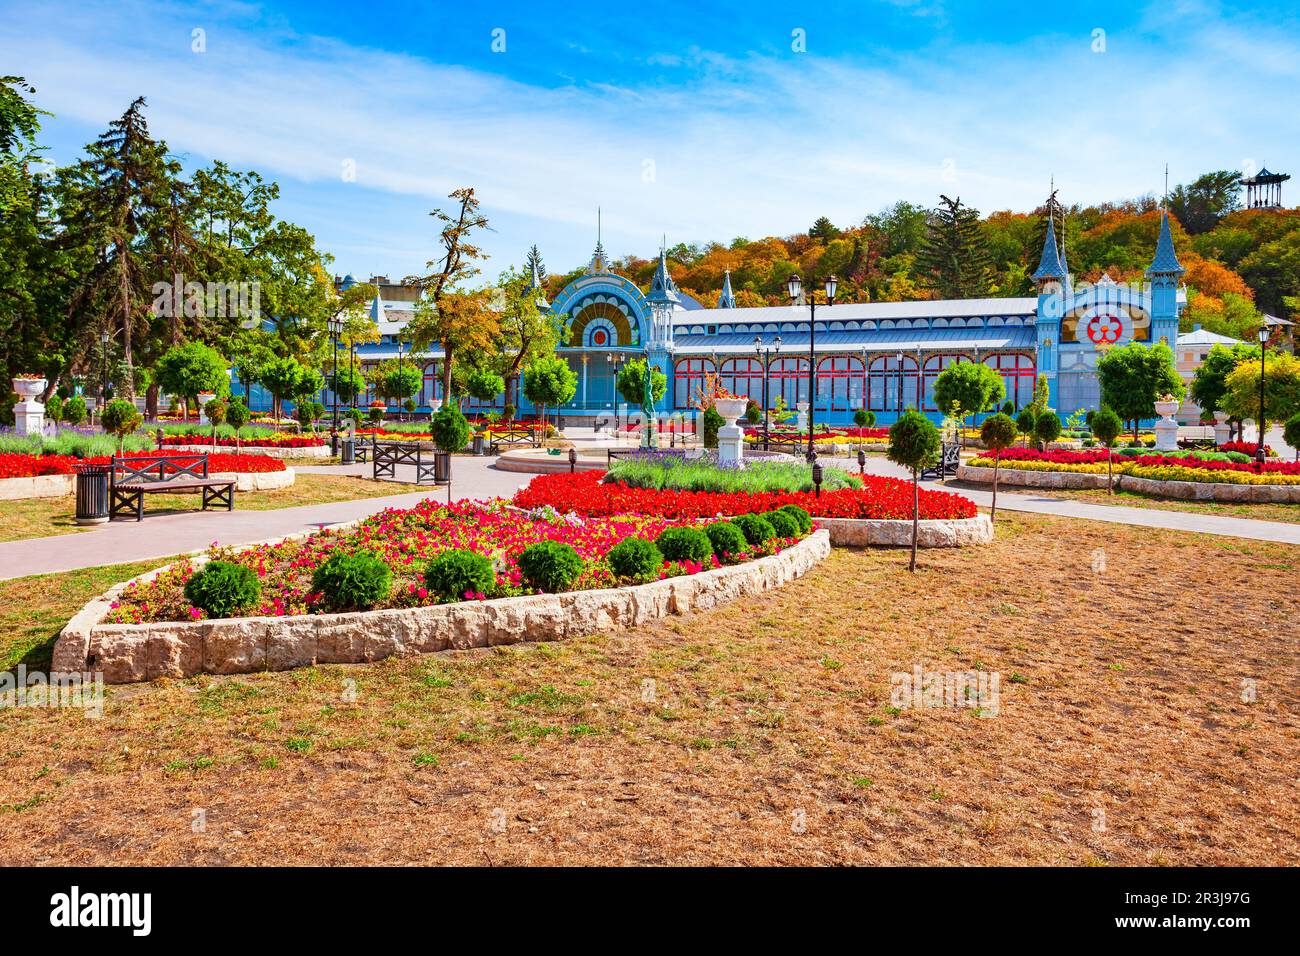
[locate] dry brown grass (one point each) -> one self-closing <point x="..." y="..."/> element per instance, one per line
<point x="1121" y="691"/>
<point x="1260" y="511"/>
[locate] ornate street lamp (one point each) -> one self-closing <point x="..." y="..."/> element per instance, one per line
<point x="1259" y="450"/>
<point x="765" y="356"/>
<point x="795" y="287"/>
<point x="335" y="327"/>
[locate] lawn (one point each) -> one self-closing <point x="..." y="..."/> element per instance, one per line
<point x="760" y="732"/>
<point x="39" y="517"/>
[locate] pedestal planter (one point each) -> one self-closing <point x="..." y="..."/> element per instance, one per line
<point x="801" y="423"/>
<point x="29" y="414"/>
<point x="1222" y="431"/>
<point x="203" y="399"/>
<point x="1166" y="427"/>
<point x="731" y="437"/>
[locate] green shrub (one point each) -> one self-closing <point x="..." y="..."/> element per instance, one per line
<point x="785" y="524"/>
<point x="726" y="538"/>
<point x="864" y="418"/>
<point x="74" y="410"/>
<point x="800" y="515"/>
<point x="54" y="408"/>
<point x="1047" y="427"/>
<point x="120" y="418"/>
<point x="453" y="573"/>
<point x="550" y="566"/>
<point x="223" y="589"/>
<point x="635" y="558"/>
<point x="684" y="544"/>
<point x="755" y="528"/>
<point x="713" y="420"/>
<point x="352" y="582"/>
<point x="449" y="428"/>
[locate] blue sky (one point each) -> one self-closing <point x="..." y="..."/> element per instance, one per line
<point x="700" y="121"/>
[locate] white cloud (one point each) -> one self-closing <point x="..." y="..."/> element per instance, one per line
<point x="746" y="145"/>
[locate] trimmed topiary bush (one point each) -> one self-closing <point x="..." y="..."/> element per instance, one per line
<point x="726" y="538"/>
<point x="799" y="515"/>
<point x="785" y="524"/>
<point x="684" y="544"/>
<point x="453" y="574"/>
<point x="636" y="559"/>
<point x="223" y="589"/>
<point x="755" y="528"/>
<point x="550" y="566"/>
<point x="352" y="582"/>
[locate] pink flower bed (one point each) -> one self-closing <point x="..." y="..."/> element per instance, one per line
<point x="405" y="540"/>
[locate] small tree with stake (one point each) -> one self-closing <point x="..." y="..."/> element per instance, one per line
<point x="237" y="415"/>
<point x="215" y="409"/>
<point x="1047" y="428"/>
<point x="120" y="418"/>
<point x="997" y="432"/>
<point x="1106" y="427"/>
<point x="1025" y="423"/>
<point x="914" y="443"/>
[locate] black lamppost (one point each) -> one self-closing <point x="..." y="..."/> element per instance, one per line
<point x="766" y="355"/>
<point x="103" y="355"/>
<point x="1259" y="450"/>
<point x="399" y="378"/>
<point x="615" y="361"/>
<point x="795" y="287"/>
<point x="335" y="327"/>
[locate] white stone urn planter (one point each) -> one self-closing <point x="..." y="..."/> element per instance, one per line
<point x="802" y="421"/>
<point x="29" y="414"/>
<point x="731" y="437"/>
<point x="1166" y="427"/>
<point x="203" y="398"/>
<point x="1221" y="428"/>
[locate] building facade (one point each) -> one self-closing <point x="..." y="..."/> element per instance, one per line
<point x="881" y="355"/>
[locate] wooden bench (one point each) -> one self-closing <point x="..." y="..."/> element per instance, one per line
<point x="133" y="478"/>
<point x="511" y="436"/>
<point x="949" y="459"/>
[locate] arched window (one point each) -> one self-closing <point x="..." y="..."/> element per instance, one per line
<point x="742" y="376"/>
<point x="688" y="378"/>
<point x="891" y="384"/>
<point x="788" y="379"/>
<point x="1018" y="372"/>
<point x="430" y="386"/>
<point x="935" y="364"/>
<point x="839" y="383"/>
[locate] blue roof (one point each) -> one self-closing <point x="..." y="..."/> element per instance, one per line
<point x="1166" y="260"/>
<point x="1049" y="266"/>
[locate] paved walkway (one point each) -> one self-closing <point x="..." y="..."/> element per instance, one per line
<point x="163" y="535"/>
<point x="167" y="534"/>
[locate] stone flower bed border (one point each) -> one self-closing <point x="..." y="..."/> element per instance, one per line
<point x="126" y="653"/>
<point x="886" y="533"/>
<point x="272" y="451"/>
<point x="1181" y="490"/>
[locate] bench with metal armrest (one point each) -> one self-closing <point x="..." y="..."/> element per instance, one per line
<point x="139" y="475"/>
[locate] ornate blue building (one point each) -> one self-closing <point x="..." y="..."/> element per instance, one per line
<point x="885" y="355"/>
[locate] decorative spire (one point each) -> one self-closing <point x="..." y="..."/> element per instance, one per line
<point x="1166" y="261"/>
<point x="662" y="288"/>
<point x="599" y="263"/>
<point x="726" y="300"/>
<point x="1049" y="266"/>
<point x="377" y="308"/>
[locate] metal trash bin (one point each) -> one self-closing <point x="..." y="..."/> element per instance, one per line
<point x="478" y="444"/>
<point x="441" y="467"/>
<point x="92" y="493"/>
<point x="348" y="454"/>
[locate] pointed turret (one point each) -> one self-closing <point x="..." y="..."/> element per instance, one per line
<point x="726" y="299"/>
<point x="599" y="263"/>
<point x="377" y="309"/>
<point x="662" y="288"/>
<point x="1050" y="267"/>
<point x="1166" y="261"/>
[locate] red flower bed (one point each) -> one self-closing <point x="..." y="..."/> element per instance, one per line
<point x="585" y="493"/>
<point x="16" y="465"/>
<point x="1245" y="448"/>
<point x="27" y="466"/>
<point x="279" y="441"/>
